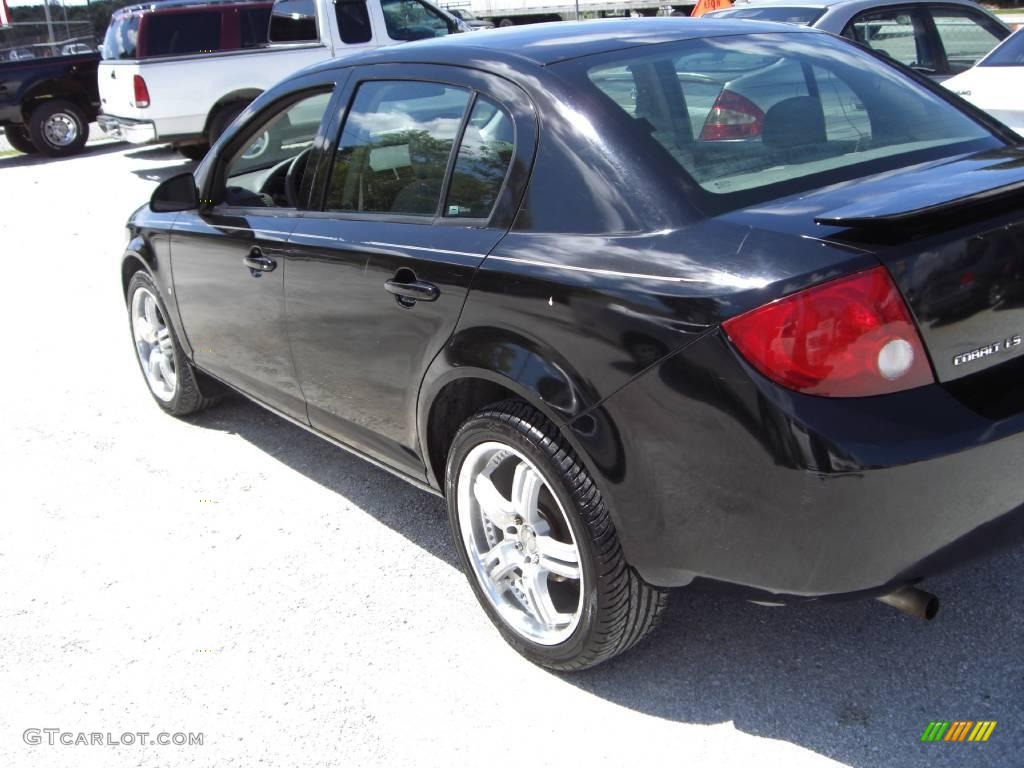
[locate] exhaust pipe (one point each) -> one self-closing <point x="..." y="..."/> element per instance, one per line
<point x="913" y="602"/>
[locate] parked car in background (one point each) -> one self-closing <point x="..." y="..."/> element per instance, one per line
<point x="939" y="38"/>
<point x="180" y="72"/>
<point x="47" y="103"/>
<point x="470" y="20"/>
<point x="641" y="310"/>
<point x="996" y="83"/>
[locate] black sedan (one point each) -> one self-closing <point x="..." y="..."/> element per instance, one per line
<point x="646" y="301"/>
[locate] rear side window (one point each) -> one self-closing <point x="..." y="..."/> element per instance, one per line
<point x="1009" y="54"/>
<point x="413" y="20"/>
<point x="174" y="34"/>
<point x="353" y="21"/>
<point x="293" y="21"/>
<point x="252" y="27"/>
<point x="480" y="167"/>
<point x="121" y="40"/>
<point x="394" y="149"/>
<point x="965" y="36"/>
<point x="750" y="117"/>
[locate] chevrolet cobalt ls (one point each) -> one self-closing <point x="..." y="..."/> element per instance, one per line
<point x="646" y="301"/>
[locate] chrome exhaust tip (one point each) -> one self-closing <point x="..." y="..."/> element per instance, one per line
<point x="913" y="602"/>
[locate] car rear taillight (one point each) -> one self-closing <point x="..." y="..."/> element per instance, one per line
<point x="141" y="92"/>
<point x="850" y="337"/>
<point x="732" y="117"/>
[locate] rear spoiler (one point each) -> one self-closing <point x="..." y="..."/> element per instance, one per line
<point x="938" y="194"/>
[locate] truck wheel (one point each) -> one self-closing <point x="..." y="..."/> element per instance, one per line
<point x="506" y="23"/>
<point x="537" y="543"/>
<point x="194" y="151"/>
<point x="58" y="128"/>
<point x="224" y="118"/>
<point x="18" y="138"/>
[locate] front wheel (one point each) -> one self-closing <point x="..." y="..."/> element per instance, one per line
<point x="17" y="137"/>
<point x="537" y="543"/>
<point x="58" y="128"/>
<point x="169" y="375"/>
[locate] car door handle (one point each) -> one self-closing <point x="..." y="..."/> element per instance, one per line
<point x="258" y="263"/>
<point x="407" y="290"/>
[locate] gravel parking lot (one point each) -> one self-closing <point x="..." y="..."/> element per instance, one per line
<point x="235" y="576"/>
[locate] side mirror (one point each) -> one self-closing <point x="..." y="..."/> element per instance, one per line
<point x="178" y="193"/>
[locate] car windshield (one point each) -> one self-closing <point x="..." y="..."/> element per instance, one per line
<point x="789" y="15"/>
<point x="1009" y="54"/>
<point x="751" y="117"/>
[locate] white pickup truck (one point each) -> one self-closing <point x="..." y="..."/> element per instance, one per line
<point x="186" y="87"/>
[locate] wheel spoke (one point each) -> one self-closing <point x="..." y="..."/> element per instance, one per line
<point x="493" y="505"/>
<point x="501" y="560"/>
<point x="558" y="557"/>
<point x="163" y="338"/>
<point x="151" y="313"/>
<point x="538" y="599"/>
<point x="526" y="485"/>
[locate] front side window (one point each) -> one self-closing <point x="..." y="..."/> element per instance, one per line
<point x="353" y="21"/>
<point x="269" y="169"/>
<point x="413" y="20"/>
<point x="899" y="34"/>
<point x="966" y="36"/>
<point x="752" y="117"/>
<point x="176" y="34"/>
<point x="394" y="149"/>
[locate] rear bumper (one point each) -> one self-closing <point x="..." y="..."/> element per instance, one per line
<point x="132" y="131"/>
<point x="715" y="472"/>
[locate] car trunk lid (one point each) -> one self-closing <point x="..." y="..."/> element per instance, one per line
<point x="951" y="233"/>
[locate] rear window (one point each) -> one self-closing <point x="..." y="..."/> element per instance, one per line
<point x="252" y="26"/>
<point x="1009" y="54"/>
<point x="176" y="34"/>
<point x="751" y="117"/>
<point x="293" y="21"/>
<point x="796" y="15"/>
<point x="122" y="37"/>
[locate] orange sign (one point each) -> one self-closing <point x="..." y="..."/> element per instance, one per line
<point x="706" y="6"/>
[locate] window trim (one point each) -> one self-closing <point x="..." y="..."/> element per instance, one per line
<point x="507" y="95"/>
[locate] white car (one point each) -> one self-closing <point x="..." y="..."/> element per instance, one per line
<point x="994" y="84"/>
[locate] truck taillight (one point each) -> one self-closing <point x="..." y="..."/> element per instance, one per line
<point x="732" y="117"/>
<point x="141" y="92"/>
<point x="850" y="337"/>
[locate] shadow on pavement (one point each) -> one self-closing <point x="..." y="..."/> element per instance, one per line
<point x="19" y="160"/>
<point x="855" y="681"/>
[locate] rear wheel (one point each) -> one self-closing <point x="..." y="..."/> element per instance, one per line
<point x="537" y="543"/>
<point x="169" y="375"/>
<point x="17" y="137"/>
<point x="58" y="128"/>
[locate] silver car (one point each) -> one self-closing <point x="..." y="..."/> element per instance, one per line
<point x="938" y="38"/>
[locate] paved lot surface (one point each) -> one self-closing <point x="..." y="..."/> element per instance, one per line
<point x="235" y="576"/>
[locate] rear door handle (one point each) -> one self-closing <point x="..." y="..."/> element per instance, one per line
<point x="258" y="263"/>
<point x="407" y="290"/>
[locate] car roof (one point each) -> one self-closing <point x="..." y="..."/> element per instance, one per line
<point x="850" y="4"/>
<point x="544" y="44"/>
<point x="164" y="5"/>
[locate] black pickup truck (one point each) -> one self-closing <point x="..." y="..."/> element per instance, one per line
<point x="47" y="103"/>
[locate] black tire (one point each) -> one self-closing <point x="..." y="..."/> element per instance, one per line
<point x="194" y="151"/>
<point x="17" y="137"/>
<point x="618" y="608"/>
<point x="58" y="109"/>
<point x="224" y="118"/>
<point x="506" y="22"/>
<point x="188" y="398"/>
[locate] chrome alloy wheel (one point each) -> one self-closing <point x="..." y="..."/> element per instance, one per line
<point x="60" y="129"/>
<point x="154" y="344"/>
<point x="520" y="543"/>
